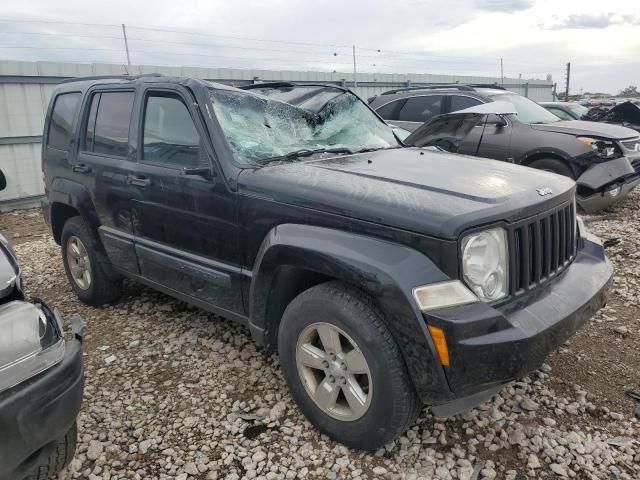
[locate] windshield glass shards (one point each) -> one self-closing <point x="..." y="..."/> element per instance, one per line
<point x="261" y="129"/>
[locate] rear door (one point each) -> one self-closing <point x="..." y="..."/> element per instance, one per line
<point x="105" y="160"/>
<point x="419" y="109"/>
<point x="184" y="217"/>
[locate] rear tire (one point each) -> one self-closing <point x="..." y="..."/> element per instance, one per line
<point x="554" y="166"/>
<point x="59" y="457"/>
<point x="85" y="265"/>
<point x="385" y="401"/>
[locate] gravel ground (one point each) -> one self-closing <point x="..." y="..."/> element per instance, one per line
<point x="172" y="392"/>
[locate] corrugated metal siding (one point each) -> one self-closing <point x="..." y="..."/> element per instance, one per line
<point x="24" y="101"/>
<point x="21" y="167"/>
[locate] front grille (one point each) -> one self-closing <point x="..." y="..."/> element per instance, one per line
<point x="636" y="166"/>
<point x="541" y="247"/>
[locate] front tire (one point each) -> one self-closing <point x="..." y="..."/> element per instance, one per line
<point x="59" y="457"/>
<point x="84" y="264"/>
<point x="554" y="166"/>
<point x="343" y="367"/>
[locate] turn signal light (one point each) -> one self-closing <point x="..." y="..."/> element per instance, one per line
<point x="440" y="342"/>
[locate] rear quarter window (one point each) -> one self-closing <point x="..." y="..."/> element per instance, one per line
<point x="64" y="112"/>
<point x="391" y="110"/>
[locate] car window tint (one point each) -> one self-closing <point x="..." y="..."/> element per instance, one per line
<point x="170" y="136"/>
<point x="391" y="110"/>
<point x="64" y="111"/>
<point x="460" y="102"/>
<point x="560" y="113"/>
<point x="111" y="133"/>
<point x="421" y="109"/>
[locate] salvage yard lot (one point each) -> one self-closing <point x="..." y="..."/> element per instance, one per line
<point x="172" y="392"/>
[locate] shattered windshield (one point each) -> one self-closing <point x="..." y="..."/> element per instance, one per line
<point x="527" y="110"/>
<point x="259" y="128"/>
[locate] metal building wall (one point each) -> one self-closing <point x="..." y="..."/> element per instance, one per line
<point x="25" y="89"/>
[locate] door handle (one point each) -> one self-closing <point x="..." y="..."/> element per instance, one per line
<point x="138" y="181"/>
<point x="81" y="168"/>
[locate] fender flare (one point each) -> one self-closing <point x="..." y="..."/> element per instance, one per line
<point x="386" y="271"/>
<point x="76" y="195"/>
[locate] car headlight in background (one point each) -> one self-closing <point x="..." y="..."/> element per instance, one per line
<point x="582" y="230"/>
<point x="605" y="149"/>
<point x="31" y="341"/>
<point x="485" y="263"/>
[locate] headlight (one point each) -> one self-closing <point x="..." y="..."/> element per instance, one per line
<point x="602" y="148"/>
<point x="31" y="342"/>
<point x="485" y="265"/>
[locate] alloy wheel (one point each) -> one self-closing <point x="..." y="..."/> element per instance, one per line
<point x="79" y="263"/>
<point x="334" y="371"/>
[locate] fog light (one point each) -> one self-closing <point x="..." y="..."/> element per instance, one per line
<point x="613" y="191"/>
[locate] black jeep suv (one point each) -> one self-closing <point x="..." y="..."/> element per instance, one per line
<point x="386" y="277"/>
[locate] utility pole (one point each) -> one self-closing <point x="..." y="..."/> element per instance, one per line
<point x="126" y="43"/>
<point x="355" y="84"/>
<point x="566" y="92"/>
<point x="502" y="71"/>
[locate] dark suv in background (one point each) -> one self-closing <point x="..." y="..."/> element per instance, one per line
<point x="383" y="281"/>
<point x="603" y="159"/>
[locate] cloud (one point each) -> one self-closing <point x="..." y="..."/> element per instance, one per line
<point x="603" y="20"/>
<point x="507" y="6"/>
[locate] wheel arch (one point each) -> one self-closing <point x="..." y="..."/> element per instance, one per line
<point x="550" y="154"/>
<point x="294" y="258"/>
<point x="68" y="199"/>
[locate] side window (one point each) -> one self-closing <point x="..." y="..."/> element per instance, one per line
<point x="460" y="102"/>
<point x="170" y="137"/>
<point x="107" y="129"/>
<point x="421" y="109"/>
<point x="61" y="123"/>
<point x="391" y="110"/>
<point x="560" y="113"/>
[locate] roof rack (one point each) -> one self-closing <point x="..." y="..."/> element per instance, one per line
<point x="435" y="86"/>
<point x="430" y="87"/>
<point x="487" y="85"/>
<point x="290" y="84"/>
<point x="111" y="77"/>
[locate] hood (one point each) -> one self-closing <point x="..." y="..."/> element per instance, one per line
<point x="426" y="191"/>
<point x="592" y="129"/>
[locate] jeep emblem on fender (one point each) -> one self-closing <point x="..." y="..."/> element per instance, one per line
<point x="544" y="191"/>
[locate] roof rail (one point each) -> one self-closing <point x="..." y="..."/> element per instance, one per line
<point x="111" y="77"/>
<point x="434" y="86"/>
<point x="267" y="84"/>
<point x="291" y="84"/>
<point x="487" y="85"/>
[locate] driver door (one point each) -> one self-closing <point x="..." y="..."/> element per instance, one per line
<point x="184" y="221"/>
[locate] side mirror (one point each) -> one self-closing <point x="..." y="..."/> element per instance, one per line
<point x="501" y="122"/>
<point x="3" y="181"/>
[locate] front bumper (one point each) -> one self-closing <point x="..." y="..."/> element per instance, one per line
<point x="623" y="171"/>
<point x="35" y="414"/>
<point x="490" y="346"/>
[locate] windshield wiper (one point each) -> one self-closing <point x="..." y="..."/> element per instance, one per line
<point x="304" y="152"/>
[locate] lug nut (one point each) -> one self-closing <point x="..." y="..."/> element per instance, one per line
<point x="332" y="356"/>
<point x="343" y="380"/>
<point x="343" y="366"/>
<point x="332" y="379"/>
<point x="325" y="364"/>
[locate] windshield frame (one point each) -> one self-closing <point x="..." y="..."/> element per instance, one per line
<point x="252" y="163"/>
<point x="506" y="96"/>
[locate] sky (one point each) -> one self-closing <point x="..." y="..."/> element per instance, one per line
<point x="534" y="38"/>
